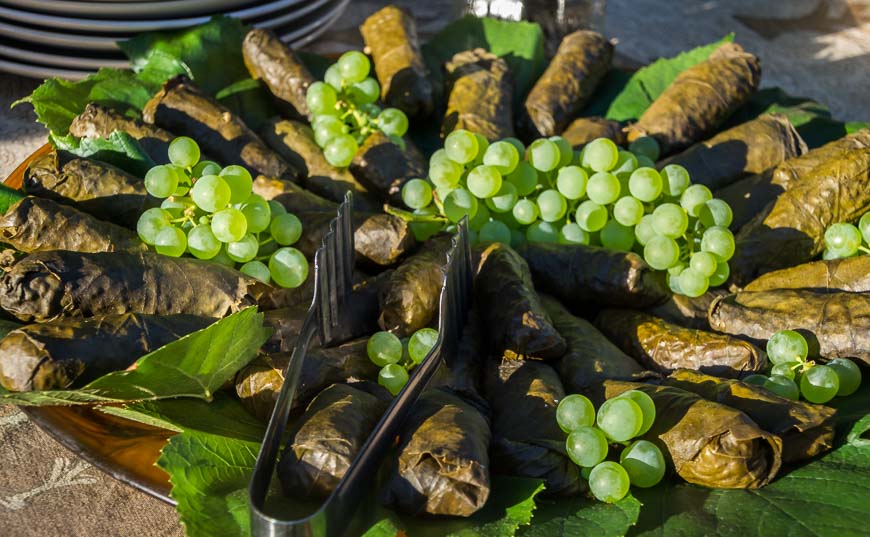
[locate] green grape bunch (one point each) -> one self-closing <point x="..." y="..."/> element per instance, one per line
<point x="212" y="213"/>
<point x="396" y="357"/>
<point x="601" y="196"/>
<point x="845" y="240"/>
<point x="345" y="112"/>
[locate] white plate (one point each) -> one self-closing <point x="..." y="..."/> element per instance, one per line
<point x="19" y="53"/>
<point x="41" y="71"/>
<point x="129" y="9"/>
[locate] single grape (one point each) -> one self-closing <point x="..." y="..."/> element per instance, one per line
<point x="393" y="122"/>
<point x="843" y="238"/>
<point x="365" y="92"/>
<point x="495" y="231"/>
<point x="521" y="149"/>
<point x="828" y="254"/>
<point x="575" y="411"/>
<point x="288" y="267"/>
<point x="275" y="208"/>
<point x="643" y="162"/>
<point x="646" y="146"/>
<point x="591" y="216"/>
<point x="719" y="241"/>
<point x="328" y="128"/>
<point x="819" y="384"/>
<point x="170" y="241"/>
<point x="785" y="369"/>
<point x="647" y="408"/>
<point x="424" y="230"/>
<point x="459" y="203"/>
<point x="484" y="181"/>
<point x="206" y="167"/>
<point x="543" y="155"/>
<point x="321" y="98"/>
<point x="864" y="226"/>
<point x="240" y="182"/>
<point x="393" y="377"/>
<point x="675" y="180"/>
<point x="444" y="173"/>
<point x="202" y="243"/>
<point x="644" y="231"/>
<point x="723" y="271"/>
<point x="417" y="194"/>
<point x="461" y="146"/>
<point x="609" y="482"/>
<point x="615" y="236"/>
<point x="694" y="198"/>
<point x="603" y="188"/>
<point x="333" y="77"/>
<point x="525" y="211"/>
<point x="286" y="229"/>
<point x="620" y="419"/>
<point x="257" y="213"/>
<point x="756" y="379"/>
<point x="504" y="200"/>
<point x="551" y="205"/>
<point x="787" y="346"/>
<point x="670" y="220"/>
<point x="566" y="152"/>
<point x="229" y="225"/>
<point x="340" y="150"/>
<point x="626" y="163"/>
<point x="177" y="205"/>
<point x="211" y="193"/>
<point x="221" y="258"/>
<point x="716" y="212"/>
<point x="184" y="152"/>
<point x="151" y="222"/>
<point x="542" y="231"/>
<point x="848" y="373"/>
<point x="571" y="233"/>
<point x="600" y="155"/>
<point x="644" y="463"/>
<point x="506" y="218"/>
<point x="243" y="250"/>
<point x="704" y="263"/>
<point x="421" y="343"/>
<point x="586" y="446"/>
<point x="503" y="155"/>
<point x="161" y="181"/>
<point x="693" y="283"/>
<point x="571" y="182"/>
<point x="524" y="178"/>
<point x="481" y="217"/>
<point x="782" y="386"/>
<point x="482" y="146"/>
<point x="628" y="211"/>
<point x="257" y="270"/>
<point x="645" y="184"/>
<point x="354" y="66"/>
<point x="661" y="252"/>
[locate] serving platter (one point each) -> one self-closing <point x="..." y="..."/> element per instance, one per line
<point x="153" y="9"/>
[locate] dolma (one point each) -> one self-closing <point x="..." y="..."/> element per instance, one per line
<point x="580" y="63"/>
<point x="806" y="429"/>
<point x="583" y="130"/>
<point x="295" y="140"/>
<point x="526" y="440"/>
<point x="325" y="440"/>
<point x="67" y="353"/>
<point x="791" y="231"/>
<point x="49" y="285"/>
<point x="591" y="357"/>
<point x="516" y="322"/>
<point x="37" y="224"/>
<point x="480" y="95"/>
<point x="410" y="299"/>
<point x="579" y="274"/>
<point x="94" y="187"/>
<point x="707" y="443"/>
<point x="98" y="121"/>
<point x="686" y="311"/>
<point x="663" y="347"/>
<point x="383" y="167"/>
<point x="851" y="274"/>
<point x="836" y="324"/>
<point x="749" y="148"/>
<point x="184" y="109"/>
<point x="390" y="35"/>
<point x="700" y="99"/>
<point x="293" y="197"/>
<point x="270" y="60"/>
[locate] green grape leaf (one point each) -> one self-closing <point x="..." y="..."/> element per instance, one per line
<point x="9" y="197"/>
<point x="860" y="434"/>
<point x="119" y="149"/>
<point x="196" y="365"/>
<point x="583" y="516"/>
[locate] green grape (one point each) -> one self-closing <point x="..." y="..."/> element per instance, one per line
<point x="575" y="411"/>
<point x="211" y="193"/>
<point x="787" y="346"/>
<point x="354" y="66"/>
<point x="644" y="463"/>
<point x="843" y="238"/>
<point x="286" y="229"/>
<point x="267" y="248"/>
<point x="494" y="231"/>
<point x="321" y="99"/>
<point x="244" y="250"/>
<point x="591" y="216"/>
<point x="221" y="258"/>
<point x="566" y="152"/>
<point x="646" y="146"/>
<point x="240" y="182"/>
<point x="393" y="122"/>
<point x="603" y="188"/>
<point x="506" y="218"/>
<point x="693" y="283"/>
<point x="521" y="149"/>
<point x="643" y="162"/>
<point x="288" y="267"/>
<point x="170" y="241"/>
<point x="755" y="380"/>
<point x="202" y="243"/>
<point x="782" y="386"/>
<point x="161" y="181"/>
<point x="644" y="231"/>
<point x="584" y="472"/>
<point x="615" y="236"/>
<point x="424" y="230"/>
<point x="482" y="146"/>
<point x="518" y="239"/>
<point x="661" y="252"/>
<point x="206" y="167"/>
<point x="229" y="225"/>
<point x="645" y="184"/>
<point x="421" y="343"/>
<point x="647" y="407"/>
<point x="461" y="146"/>
<point x="723" y="271"/>
<point x="484" y="181"/>
<point x="459" y="203"/>
<point x="828" y="254"/>
<point x="626" y="163"/>
<point x="571" y="182"/>
<point x="620" y="419"/>
<point x="151" y="222"/>
<point x="864" y="226"/>
<point x="504" y="200"/>
<point x="704" y="263"/>
<point x="543" y="155"/>
<point x="525" y="211"/>
<point x="393" y="377"/>
<point x="257" y="213"/>
<point x="675" y="180"/>
<point x="333" y="77"/>
<point x="848" y="374"/>
<point x="366" y="91"/>
<point x="551" y="205"/>
<point x="609" y="482"/>
<point x="481" y="217"/>
<point x="328" y="128"/>
<point x="542" y="231"/>
<point x="183" y="152"/>
<point x="417" y="194"/>
<point x="339" y="151"/>
<point x="524" y="178"/>
<point x="257" y="270"/>
<point x="275" y="208"/>
<point x="670" y="220"/>
<point x="444" y="173"/>
<point x="628" y="211"/>
<point x="600" y="155"/>
<point x="586" y="446"/>
<point x="716" y="212"/>
<point x="571" y="233"/>
<point x="503" y="155"/>
<point x="719" y="241"/>
<point x="784" y="369"/>
<point x="694" y="198"/>
<point x="819" y="384"/>
<point x="177" y="205"/>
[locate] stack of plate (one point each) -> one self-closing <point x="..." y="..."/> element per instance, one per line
<point x="73" y="38"/>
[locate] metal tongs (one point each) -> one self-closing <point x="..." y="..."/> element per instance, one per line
<point x="333" y="266"/>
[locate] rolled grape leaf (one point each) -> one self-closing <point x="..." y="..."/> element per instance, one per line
<point x="270" y="60"/>
<point x="98" y="121"/>
<point x="688" y="312"/>
<point x="69" y="353"/>
<point x="460" y="371"/>
<point x="753" y="147"/>
<point x="836" y="324"/>
<point x="293" y="197"/>
<point x="480" y="90"/>
<point x="583" y="130"/>
<point x="707" y="443"/>
<point x="664" y="347"/>
<point x="514" y="318"/>
<point x="700" y="99"/>
<point x="851" y="274"/>
<point x="38" y="224"/>
<point x="91" y="186"/>
<point x="806" y="429"/>
<point x="184" y="109"/>
<point x="580" y="63"/>
<point x="579" y="274"/>
<point x="383" y="167"/>
<point x="391" y="36"/>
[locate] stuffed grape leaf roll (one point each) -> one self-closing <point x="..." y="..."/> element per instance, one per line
<point x="707" y="443"/>
<point x="384" y="167"/>
<point x="663" y="347"/>
<point x="700" y="99"/>
<point x="98" y="121"/>
<point x="38" y="224"/>
<point x="293" y="197"/>
<point x="580" y="63"/>
<point x="583" y="130"/>
<point x="686" y="311"/>
<point x="480" y="95"/>
<point x="270" y="60"/>
<point x="806" y="429"/>
<point x="851" y="274"/>
<point x="391" y="36"/>
<point x="66" y="353"/>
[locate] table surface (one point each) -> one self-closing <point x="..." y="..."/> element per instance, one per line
<point x="816" y="48"/>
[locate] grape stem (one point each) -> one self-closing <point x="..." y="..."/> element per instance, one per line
<point x="411" y="217"/>
<point x="864" y="249"/>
